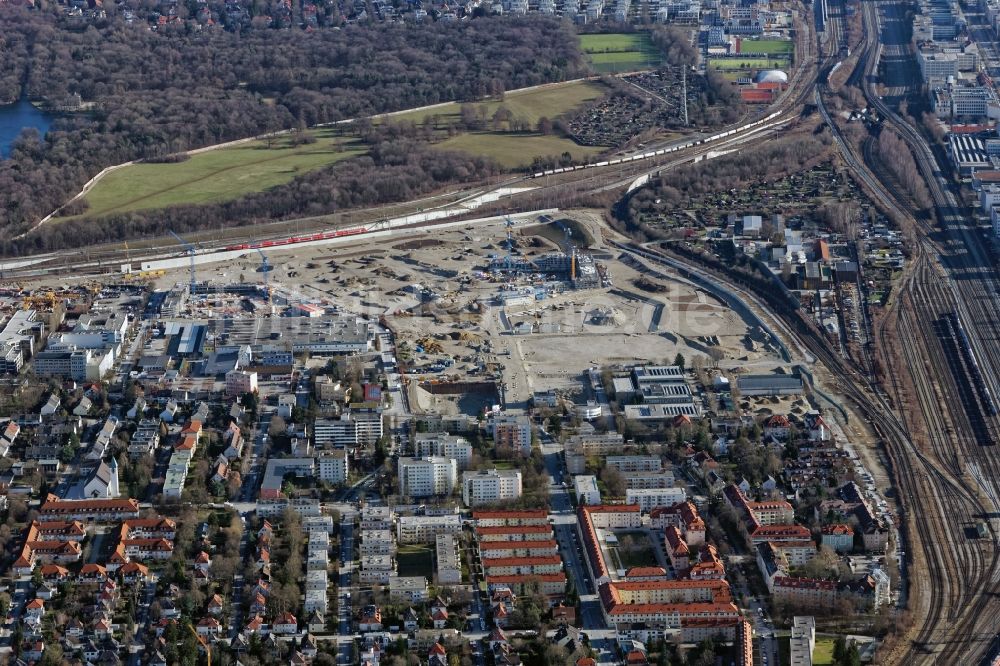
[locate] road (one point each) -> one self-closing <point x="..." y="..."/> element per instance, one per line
<point x="566" y="528"/>
<point x="344" y="620"/>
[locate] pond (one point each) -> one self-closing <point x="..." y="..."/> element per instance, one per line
<point x="17" y="116"/>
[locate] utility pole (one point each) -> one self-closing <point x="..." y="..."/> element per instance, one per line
<point x="684" y="95"/>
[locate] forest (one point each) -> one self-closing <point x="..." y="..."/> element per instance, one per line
<point x="144" y="95"/>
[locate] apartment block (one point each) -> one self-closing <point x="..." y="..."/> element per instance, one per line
<point x="490" y="487"/>
<point x="651" y="498"/>
<point x="425" y="529"/>
<point x="445" y="446"/>
<point x="630" y="464"/>
<point x="427" y="477"/>
<point x="332" y="466"/>
<point x="449" y="567"/>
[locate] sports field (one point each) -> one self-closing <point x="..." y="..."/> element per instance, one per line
<point x="769" y="46"/>
<point x="737" y="63"/>
<point x="516" y="150"/>
<point x="620" y="52"/>
<point x="216" y="175"/>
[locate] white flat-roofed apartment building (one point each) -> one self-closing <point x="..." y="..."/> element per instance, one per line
<point x="642" y="480"/>
<point x="425" y="529"/>
<point x="332" y="466"/>
<point x="651" y="498"/>
<point x="376" y="518"/>
<point x="586" y="490"/>
<point x="446" y="446"/>
<point x="427" y="477"/>
<point x="803" y="640"/>
<point x="340" y="432"/>
<point x="375" y="542"/>
<point x="596" y="444"/>
<point x="490" y="486"/>
<point x="412" y="589"/>
<point x="449" y="568"/>
<point x="629" y="464"/>
<point x="376" y="568"/>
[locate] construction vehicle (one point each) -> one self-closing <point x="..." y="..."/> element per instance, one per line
<point x="37" y="301"/>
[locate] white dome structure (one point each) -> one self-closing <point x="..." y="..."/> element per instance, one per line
<point x="771" y="76"/>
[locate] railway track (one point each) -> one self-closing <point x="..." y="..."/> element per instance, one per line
<point x="957" y="608"/>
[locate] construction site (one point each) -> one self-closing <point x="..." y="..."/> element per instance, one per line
<point x="505" y="303"/>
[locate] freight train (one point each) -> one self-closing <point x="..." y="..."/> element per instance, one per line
<point x="989" y="404"/>
<point x="298" y="239"/>
<point x="662" y="151"/>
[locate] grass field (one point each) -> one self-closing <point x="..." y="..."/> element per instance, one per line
<point x="216" y="175"/>
<point x="226" y="174"/>
<point x="516" y="150"/>
<point x="823" y="654"/>
<point x="415" y="560"/>
<point x="550" y="102"/>
<point x="620" y="52"/>
<point x="746" y="64"/>
<point x="769" y="46"/>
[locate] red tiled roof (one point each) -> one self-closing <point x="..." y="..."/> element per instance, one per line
<point x="519" y="545"/>
<point x="559" y="577"/>
<point x="514" y="529"/>
<point x="511" y="514"/>
<point x="642" y="572"/>
<point x="526" y="561"/>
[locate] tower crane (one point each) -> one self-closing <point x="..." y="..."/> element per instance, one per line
<point x="265" y="269"/>
<point x="191" y="250"/>
<point x="203" y="643"/>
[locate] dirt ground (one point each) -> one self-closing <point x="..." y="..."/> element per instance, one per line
<point x="431" y="286"/>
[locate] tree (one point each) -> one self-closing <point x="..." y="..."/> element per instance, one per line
<point x="234" y="484"/>
<point x="825" y="564"/>
<point x="614" y="481"/>
<point x="679" y="361"/>
<point x="278" y="426"/>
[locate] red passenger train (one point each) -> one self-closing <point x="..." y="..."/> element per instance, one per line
<point x="298" y="239"/>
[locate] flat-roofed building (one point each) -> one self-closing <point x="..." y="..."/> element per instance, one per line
<point x="446" y="446"/>
<point x="427" y="477"/>
<point x="425" y="529"/>
<point x="629" y="464"/>
<point x="775" y="384"/>
<point x="643" y="480"/>
<point x="449" y="568"/>
<point x="651" y="498"/>
<point x="803" y="640"/>
<point x="333" y="466"/>
<point x="585" y="488"/>
<point x="490" y="486"/>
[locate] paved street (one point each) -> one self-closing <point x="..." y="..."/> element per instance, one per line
<point x="564" y="522"/>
